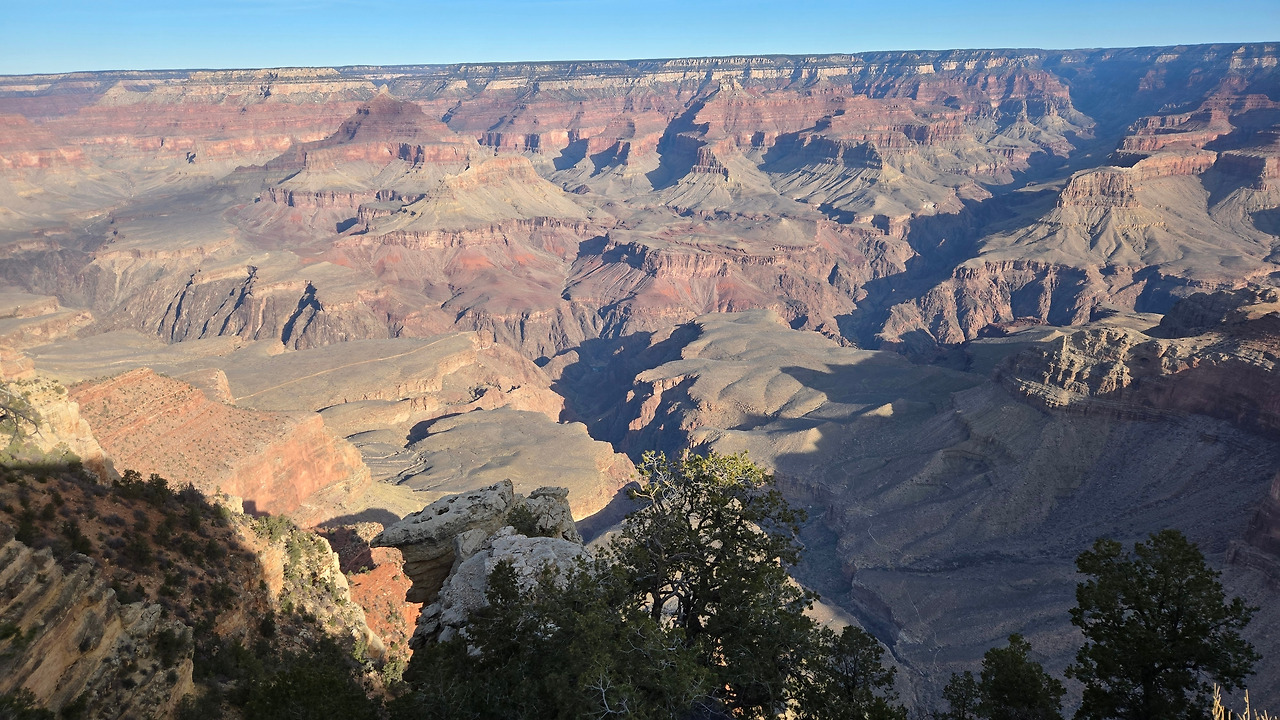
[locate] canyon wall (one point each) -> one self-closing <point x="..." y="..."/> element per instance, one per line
<point x="863" y="196"/>
<point x="275" y="462"/>
<point x="76" y="634"/>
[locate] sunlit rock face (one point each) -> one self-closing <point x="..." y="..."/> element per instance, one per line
<point x="274" y="462"/>
<point x="452" y="545"/>
<point x="864" y="196"/>
<point x="85" y="634"/>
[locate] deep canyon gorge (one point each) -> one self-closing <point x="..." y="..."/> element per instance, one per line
<point x="973" y="309"/>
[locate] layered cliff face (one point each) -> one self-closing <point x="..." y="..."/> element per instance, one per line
<point x="67" y="634"/>
<point x="31" y="320"/>
<point x="516" y="200"/>
<point x="275" y="462"/>
<point x="1181" y="207"/>
<point x="810" y="271"/>
<point x="1212" y="354"/>
<point x="1222" y="366"/>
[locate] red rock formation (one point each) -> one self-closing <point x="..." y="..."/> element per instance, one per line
<point x="275" y="462"/>
<point x="475" y="196"/>
<point x="215" y="116"/>
<point x="808" y="272"/>
<point x="377" y="583"/>
<point x="380" y="131"/>
<point x="25" y="146"/>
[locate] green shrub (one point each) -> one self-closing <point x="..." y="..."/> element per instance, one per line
<point x="272" y="527"/>
<point x="170" y="645"/>
<point x="79" y="543"/>
<point x="21" y="705"/>
<point x="523" y="520"/>
<point x="138" y="550"/>
<point x="26" y="530"/>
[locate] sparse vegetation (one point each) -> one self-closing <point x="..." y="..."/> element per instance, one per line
<point x="21" y="705"/>
<point x="181" y="551"/>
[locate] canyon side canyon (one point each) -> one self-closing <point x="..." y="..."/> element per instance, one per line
<point x="973" y="309"/>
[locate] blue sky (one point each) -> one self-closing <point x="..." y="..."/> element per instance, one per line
<point x="65" y="35"/>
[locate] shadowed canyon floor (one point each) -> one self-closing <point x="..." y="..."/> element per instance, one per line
<point x="949" y="298"/>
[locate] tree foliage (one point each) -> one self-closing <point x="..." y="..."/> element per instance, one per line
<point x="1010" y="686"/>
<point x="962" y="696"/>
<point x="567" y="647"/>
<point x="690" y="612"/>
<point x="1158" y="631"/>
<point x="318" y="683"/>
<point x="847" y="679"/>
<point x="1013" y="687"/>
<point x="706" y="554"/>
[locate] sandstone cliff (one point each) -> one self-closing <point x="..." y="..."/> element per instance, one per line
<point x="1219" y="360"/>
<point x="276" y="462"/>
<point x="545" y="205"/>
<point x="55" y="426"/>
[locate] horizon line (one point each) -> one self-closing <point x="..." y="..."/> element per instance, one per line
<point x="624" y="61"/>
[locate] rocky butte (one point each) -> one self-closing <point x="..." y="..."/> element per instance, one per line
<point x="973" y="308"/>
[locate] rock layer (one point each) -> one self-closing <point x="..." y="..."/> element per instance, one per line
<point x="544" y="205"/>
<point x="73" y="638"/>
<point x="276" y="462"/>
<point x="1220" y="361"/>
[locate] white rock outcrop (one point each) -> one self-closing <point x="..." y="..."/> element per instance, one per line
<point x="452" y="545"/>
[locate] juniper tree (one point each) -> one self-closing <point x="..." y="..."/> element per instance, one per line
<point x="1158" y="630"/>
<point x="707" y="553"/>
<point x="847" y="678"/>
<point x="1014" y="687"/>
<point x="1010" y="686"/>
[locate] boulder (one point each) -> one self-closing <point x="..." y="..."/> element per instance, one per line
<point x="464" y="590"/>
<point x="436" y="539"/>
